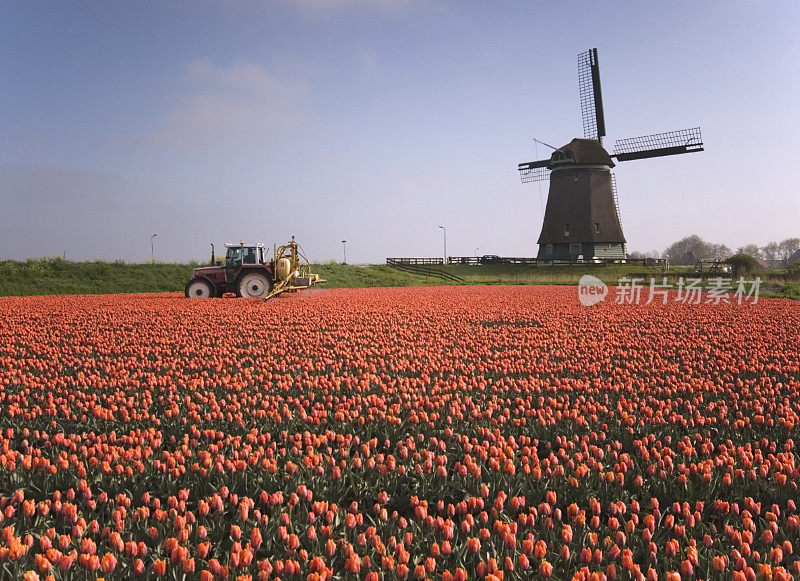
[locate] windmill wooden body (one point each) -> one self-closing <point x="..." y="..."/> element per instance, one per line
<point x="581" y="219"/>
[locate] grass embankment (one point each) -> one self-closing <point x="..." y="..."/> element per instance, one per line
<point x="349" y="276"/>
<point x="44" y="276"/>
<point x="548" y="274"/>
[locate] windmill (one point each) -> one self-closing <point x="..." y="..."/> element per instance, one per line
<point x="581" y="219"/>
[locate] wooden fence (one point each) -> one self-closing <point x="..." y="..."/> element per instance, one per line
<point x="415" y="261"/>
<point x="525" y="260"/>
<point x="420" y="268"/>
<point x="482" y="260"/>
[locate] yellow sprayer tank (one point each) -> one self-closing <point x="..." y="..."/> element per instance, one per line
<point x="283" y="269"/>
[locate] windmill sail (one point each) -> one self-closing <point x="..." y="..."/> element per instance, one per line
<point x="594" y="124"/>
<point x="658" y="145"/>
<point x="534" y="171"/>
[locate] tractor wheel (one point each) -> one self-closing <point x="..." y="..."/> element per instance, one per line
<point x="254" y="285"/>
<point x="199" y="288"/>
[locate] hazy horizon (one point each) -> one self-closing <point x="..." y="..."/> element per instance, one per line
<point x="376" y="122"/>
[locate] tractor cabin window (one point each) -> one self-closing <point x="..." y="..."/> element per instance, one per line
<point x="235" y="257"/>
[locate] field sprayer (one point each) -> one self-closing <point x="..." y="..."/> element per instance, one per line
<point x="247" y="272"/>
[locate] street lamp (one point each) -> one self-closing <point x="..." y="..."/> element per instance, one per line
<point x="152" y="252"/>
<point x="476" y="252"/>
<point x="444" y="230"/>
<point x="344" y="250"/>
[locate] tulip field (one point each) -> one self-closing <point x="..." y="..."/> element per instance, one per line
<point x="496" y="432"/>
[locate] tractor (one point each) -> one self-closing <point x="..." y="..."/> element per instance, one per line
<point x="247" y="272"/>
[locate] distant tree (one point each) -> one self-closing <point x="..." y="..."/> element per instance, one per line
<point x="718" y="251"/>
<point x="769" y="252"/>
<point x="750" y="250"/>
<point x="638" y="254"/>
<point x="682" y="251"/>
<point x="743" y="264"/>
<point x="788" y="247"/>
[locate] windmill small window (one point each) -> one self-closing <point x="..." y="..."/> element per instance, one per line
<point x="561" y="157"/>
<point x="548" y="249"/>
<point x="597" y="227"/>
<point x="566" y="230"/>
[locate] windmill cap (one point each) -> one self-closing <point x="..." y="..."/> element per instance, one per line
<point x="583" y="151"/>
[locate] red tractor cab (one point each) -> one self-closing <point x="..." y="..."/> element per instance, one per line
<point x="245" y="272"/>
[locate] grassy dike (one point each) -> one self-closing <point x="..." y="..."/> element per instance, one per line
<point x="47" y="276"/>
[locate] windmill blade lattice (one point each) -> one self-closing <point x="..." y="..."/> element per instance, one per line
<point x="659" y="144"/>
<point x="594" y="125"/>
<point x="534" y="171"/>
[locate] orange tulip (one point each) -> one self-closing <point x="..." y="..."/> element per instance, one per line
<point x="160" y="567"/>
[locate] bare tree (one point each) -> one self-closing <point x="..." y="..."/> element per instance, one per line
<point x="788" y="247"/>
<point x="638" y="254"/>
<point x="688" y="249"/>
<point x="719" y="251"/>
<point x="750" y="250"/>
<point x="770" y="251"/>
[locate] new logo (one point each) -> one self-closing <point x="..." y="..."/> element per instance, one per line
<point x="591" y="290"/>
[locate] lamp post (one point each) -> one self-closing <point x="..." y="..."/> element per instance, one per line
<point x="344" y="250"/>
<point x="152" y="251"/>
<point x="476" y="252"/>
<point x="444" y="231"/>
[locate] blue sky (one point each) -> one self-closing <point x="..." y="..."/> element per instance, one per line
<point x="376" y="122"/>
